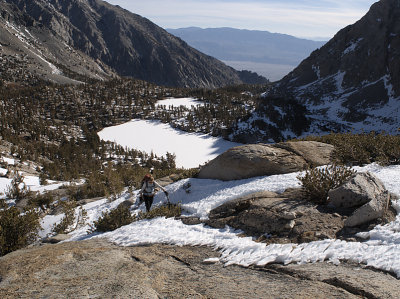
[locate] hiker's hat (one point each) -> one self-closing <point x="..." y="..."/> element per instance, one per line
<point x="148" y="177"/>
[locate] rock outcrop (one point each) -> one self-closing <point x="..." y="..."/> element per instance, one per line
<point x="358" y="190"/>
<point x="266" y="159"/>
<point x="374" y="209"/>
<point x="98" y="269"/>
<point x="279" y="218"/>
<point x="365" y="192"/>
<point x="291" y="217"/>
<point x="353" y="81"/>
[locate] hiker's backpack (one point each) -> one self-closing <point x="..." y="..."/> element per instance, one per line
<point x="149" y="189"/>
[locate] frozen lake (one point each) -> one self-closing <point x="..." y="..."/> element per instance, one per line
<point x="191" y="149"/>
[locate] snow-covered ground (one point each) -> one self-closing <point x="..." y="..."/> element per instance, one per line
<point x="176" y="102"/>
<point x="380" y="251"/>
<point x="191" y="149"/>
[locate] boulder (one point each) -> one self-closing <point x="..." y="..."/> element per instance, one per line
<point x="374" y="209"/>
<point x="56" y="239"/>
<point x="367" y="198"/>
<point x="315" y="153"/>
<point x="253" y="160"/>
<point x="360" y="189"/>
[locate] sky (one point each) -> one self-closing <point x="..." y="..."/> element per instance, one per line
<point x="302" y="18"/>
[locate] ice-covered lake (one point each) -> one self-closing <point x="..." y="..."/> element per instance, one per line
<point x="191" y="149"/>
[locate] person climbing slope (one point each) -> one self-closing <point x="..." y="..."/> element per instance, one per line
<point x="148" y="190"/>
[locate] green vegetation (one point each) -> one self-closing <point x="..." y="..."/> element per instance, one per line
<point x="113" y="219"/>
<point x="42" y="201"/>
<point x="121" y="216"/>
<point x="15" y="190"/>
<point x="165" y="210"/>
<point x="16" y="230"/>
<point x="319" y="180"/>
<point x="68" y="208"/>
<point x="359" y="149"/>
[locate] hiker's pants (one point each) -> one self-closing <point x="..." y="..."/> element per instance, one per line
<point x="148" y="201"/>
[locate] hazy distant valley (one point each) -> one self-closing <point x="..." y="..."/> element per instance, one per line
<point x="271" y="55"/>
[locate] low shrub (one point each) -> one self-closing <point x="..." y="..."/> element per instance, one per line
<point x="318" y="181"/>
<point x="42" y="201"/>
<point x="68" y="219"/>
<point x="17" y="230"/>
<point x="113" y="219"/>
<point x="359" y="149"/>
<point x="165" y="210"/>
<point x="17" y="189"/>
<point x="121" y="216"/>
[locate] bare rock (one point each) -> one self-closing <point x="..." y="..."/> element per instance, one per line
<point x="287" y="217"/>
<point x="374" y="209"/>
<point x="365" y="193"/>
<point x="355" y="278"/>
<point x="239" y="204"/>
<point x="360" y="189"/>
<point x="253" y="160"/>
<point x="99" y="269"/>
<point x="315" y="153"/>
<point x="56" y="239"/>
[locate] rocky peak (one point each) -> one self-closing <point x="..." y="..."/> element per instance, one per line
<point x="353" y="81"/>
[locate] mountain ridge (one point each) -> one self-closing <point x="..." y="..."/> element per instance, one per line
<point x="125" y="43"/>
<point x="352" y="82"/>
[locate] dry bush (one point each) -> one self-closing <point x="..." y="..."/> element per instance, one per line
<point x="318" y="181"/>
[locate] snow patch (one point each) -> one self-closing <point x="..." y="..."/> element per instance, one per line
<point x="317" y="71"/>
<point x="339" y="81"/>
<point x="353" y="45"/>
<point x="9" y="161"/>
<point x="177" y="102"/>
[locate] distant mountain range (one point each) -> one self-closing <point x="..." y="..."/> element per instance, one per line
<point x="271" y="54"/>
<point x="63" y="40"/>
<point x="352" y="83"/>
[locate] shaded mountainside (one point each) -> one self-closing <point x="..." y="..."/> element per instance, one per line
<point x="353" y="82"/>
<point x="76" y="32"/>
<point x="30" y="52"/>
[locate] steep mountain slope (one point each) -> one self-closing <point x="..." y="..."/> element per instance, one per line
<point x="353" y="82"/>
<point x="127" y="43"/>
<point x="250" y="48"/>
<point x="30" y="52"/>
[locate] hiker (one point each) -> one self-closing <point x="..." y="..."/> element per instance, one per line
<point x="148" y="190"/>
